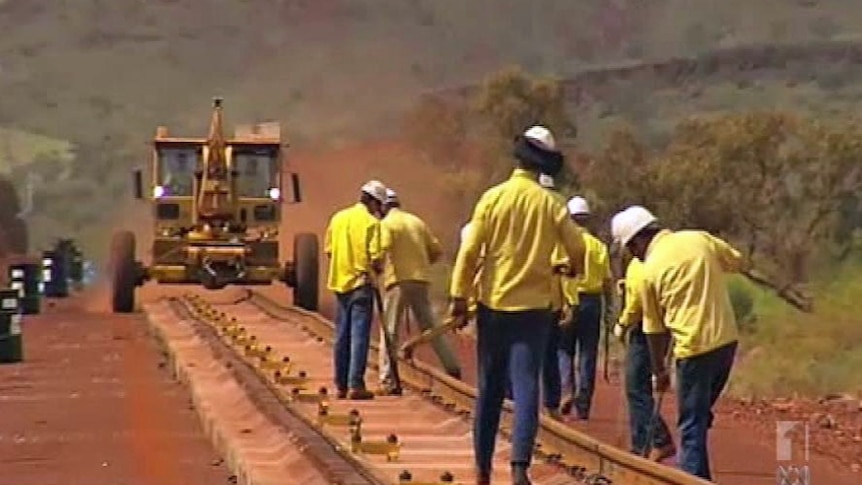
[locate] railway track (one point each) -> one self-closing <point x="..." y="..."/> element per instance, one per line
<point x="283" y="356"/>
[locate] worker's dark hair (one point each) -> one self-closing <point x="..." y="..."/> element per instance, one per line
<point x="366" y="198"/>
<point x="532" y="157"/>
<point x="648" y="232"/>
<point x="393" y="203"/>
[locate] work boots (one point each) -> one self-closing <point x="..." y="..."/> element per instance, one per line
<point x="483" y="478"/>
<point x="520" y="475"/>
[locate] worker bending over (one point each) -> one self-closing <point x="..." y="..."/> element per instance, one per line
<point x="683" y="291"/>
<point x="638" y="372"/>
<point x="412" y="249"/>
<point x="355" y="245"/>
<point x="581" y="335"/>
<point x="518" y="223"/>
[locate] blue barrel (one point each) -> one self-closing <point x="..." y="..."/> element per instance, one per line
<point x="24" y="277"/>
<point x="54" y="274"/>
<point x="11" y="341"/>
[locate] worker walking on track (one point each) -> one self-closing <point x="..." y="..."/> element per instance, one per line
<point x="411" y="252"/>
<point x="518" y="223"/>
<point x="551" y="391"/>
<point x="638" y="371"/>
<point x="580" y="337"/>
<point x="355" y="244"/>
<point x="683" y="291"/>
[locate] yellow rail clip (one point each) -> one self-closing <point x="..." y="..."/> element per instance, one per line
<point x="390" y="447"/>
<point x="445" y="479"/>
<point x="325" y="418"/>
<point x="269" y="363"/>
<point x="286" y="379"/>
<point x="298" y="394"/>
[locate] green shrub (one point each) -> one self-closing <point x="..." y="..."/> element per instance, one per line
<point x="743" y="304"/>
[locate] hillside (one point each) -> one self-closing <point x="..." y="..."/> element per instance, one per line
<point x="102" y="74"/>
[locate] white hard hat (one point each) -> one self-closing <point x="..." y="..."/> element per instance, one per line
<point x="626" y="224"/>
<point x="546" y="181"/>
<point x="465" y="231"/>
<point x="375" y="189"/>
<point x="391" y="196"/>
<point x="578" y="205"/>
<point x="541" y="137"/>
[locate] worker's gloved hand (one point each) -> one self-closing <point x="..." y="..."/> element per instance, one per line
<point x="458" y="311"/>
<point x="620" y="332"/>
<point x="661" y="381"/>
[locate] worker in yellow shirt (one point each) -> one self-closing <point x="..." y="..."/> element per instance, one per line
<point x="683" y="291"/>
<point x="645" y="434"/>
<point x="412" y="251"/>
<point x="518" y="223"/>
<point x="355" y="244"/>
<point x="593" y="291"/>
<point x="551" y="391"/>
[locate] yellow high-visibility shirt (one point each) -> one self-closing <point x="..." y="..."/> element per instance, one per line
<point x="354" y="238"/>
<point x="519" y="223"/>
<point x="632" y="313"/>
<point x="597" y="268"/>
<point x="412" y="247"/>
<point x="558" y="258"/>
<point x="684" y="290"/>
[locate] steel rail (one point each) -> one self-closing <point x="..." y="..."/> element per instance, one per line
<point x="584" y="457"/>
<point x="322" y="451"/>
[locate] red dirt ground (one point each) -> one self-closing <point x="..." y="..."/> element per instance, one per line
<point x="740" y="453"/>
<point x="92" y="403"/>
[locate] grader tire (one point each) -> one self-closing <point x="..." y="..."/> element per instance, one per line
<point x="123" y="272"/>
<point x="306" y="264"/>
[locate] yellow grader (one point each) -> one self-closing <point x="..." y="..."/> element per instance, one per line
<point x="216" y="209"/>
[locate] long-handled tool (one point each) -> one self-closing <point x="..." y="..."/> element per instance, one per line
<point x="787" y="293"/>
<point x="656" y="412"/>
<point x="450" y="324"/>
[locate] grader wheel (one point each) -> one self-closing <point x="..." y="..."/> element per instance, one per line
<point x="306" y="263"/>
<point x="123" y="272"/>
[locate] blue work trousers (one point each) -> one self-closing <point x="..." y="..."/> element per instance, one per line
<point x="639" y="395"/>
<point x="700" y="381"/>
<point x="551" y="386"/>
<point x="353" y="317"/>
<point x="509" y="345"/>
<point x="581" y="337"/>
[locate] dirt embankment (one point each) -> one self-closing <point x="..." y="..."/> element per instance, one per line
<point x="789" y="62"/>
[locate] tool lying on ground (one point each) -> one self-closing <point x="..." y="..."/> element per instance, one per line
<point x="450" y="324"/>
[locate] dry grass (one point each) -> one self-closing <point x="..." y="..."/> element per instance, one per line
<point x="814" y="354"/>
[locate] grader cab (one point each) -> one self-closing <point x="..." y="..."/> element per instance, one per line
<point x="216" y="210"/>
